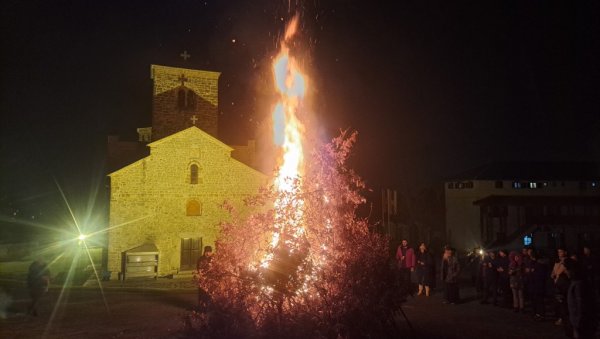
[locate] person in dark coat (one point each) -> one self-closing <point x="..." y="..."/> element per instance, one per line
<point x="580" y="303"/>
<point x="526" y="262"/>
<point x="450" y="272"/>
<point x="590" y="265"/>
<point x="424" y="269"/>
<point x="561" y="285"/>
<point x="38" y="280"/>
<point x="202" y="266"/>
<point x="502" y="263"/>
<point x="516" y="272"/>
<point x="490" y="278"/>
<point x="538" y="275"/>
<point x="474" y="262"/>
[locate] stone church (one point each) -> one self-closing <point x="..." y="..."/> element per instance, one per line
<point x="167" y="187"/>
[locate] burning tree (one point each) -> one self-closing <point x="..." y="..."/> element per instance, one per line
<point x="333" y="277"/>
<point x="303" y="264"/>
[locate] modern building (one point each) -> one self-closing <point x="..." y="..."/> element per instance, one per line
<point x="511" y="204"/>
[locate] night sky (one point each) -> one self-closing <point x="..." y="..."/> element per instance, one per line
<point x="432" y="88"/>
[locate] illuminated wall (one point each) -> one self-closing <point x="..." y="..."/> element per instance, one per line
<point x="151" y="197"/>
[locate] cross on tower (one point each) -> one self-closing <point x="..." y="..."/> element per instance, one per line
<point x="185" y="55"/>
<point x="183" y="79"/>
<point x="194" y="119"/>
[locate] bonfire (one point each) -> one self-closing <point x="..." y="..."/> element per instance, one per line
<point x="303" y="264"/>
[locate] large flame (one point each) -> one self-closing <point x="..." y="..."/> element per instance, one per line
<point x="288" y="130"/>
<point x="288" y="133"/>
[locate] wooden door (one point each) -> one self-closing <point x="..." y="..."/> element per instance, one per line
<point x="190" y="252"/>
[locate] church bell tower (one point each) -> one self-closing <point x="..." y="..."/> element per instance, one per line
<point x="182" y="98"/>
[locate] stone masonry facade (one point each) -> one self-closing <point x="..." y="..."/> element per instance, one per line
<point x="182" y="98"/>
<point x="149" y="199"/>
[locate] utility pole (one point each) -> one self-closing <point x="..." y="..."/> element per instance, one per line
<point x="389" y="208"/>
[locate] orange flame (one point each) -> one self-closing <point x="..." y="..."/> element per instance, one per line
<point x="288" y="134"/>
<point x="288" y="130"/>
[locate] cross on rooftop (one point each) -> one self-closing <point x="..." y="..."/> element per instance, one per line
<point x="183" y="79"/>
<point x="185" y="55"/>
<point x="194" y="119"/>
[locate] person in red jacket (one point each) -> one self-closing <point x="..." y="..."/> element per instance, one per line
<point x="405" y="257"/>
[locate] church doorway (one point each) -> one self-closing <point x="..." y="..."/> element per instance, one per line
<point x="190" y="252"/>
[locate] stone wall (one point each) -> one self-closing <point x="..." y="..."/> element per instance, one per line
<point x="245" y="153"/>
<point x="148" y="198"/>
<point x="168" y="116"/>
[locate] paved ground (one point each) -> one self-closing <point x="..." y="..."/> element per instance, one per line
<point x="430" y="318"/>
<point x="146" y="309"/>
<point x="132" y="312"/>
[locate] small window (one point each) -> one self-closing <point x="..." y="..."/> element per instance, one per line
<point x="450" y="185"/>
<point x="194" y="174"/>
<point x="469" y="184"/>
<point x="181" y="98"/>
<point x="499" y="184"/>
<point x="533" y="185"/>
<point x="193" y="208"/>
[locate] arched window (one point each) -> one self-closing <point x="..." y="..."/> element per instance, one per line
<point x="191" y="99"/>
<point x="193" y="208"/>
<point x="194" y="174"/>
<point x="181" y="98"/>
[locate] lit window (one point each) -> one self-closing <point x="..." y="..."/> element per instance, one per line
<point x="527" y="240"/>
<point x="194" y="174"/>
<point x="533" y="185"/>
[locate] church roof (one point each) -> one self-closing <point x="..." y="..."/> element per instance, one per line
<point x="190" y="130"/>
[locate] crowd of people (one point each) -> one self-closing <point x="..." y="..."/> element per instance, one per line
<point x="522" y="280"/>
